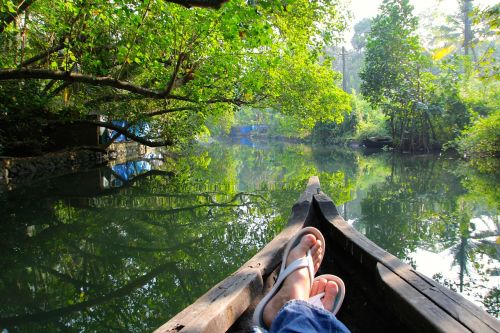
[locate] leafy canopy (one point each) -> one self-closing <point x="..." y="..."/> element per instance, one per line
<point x="171" y="65"/>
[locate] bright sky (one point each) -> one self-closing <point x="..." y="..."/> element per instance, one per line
<point x="368" y="8"/>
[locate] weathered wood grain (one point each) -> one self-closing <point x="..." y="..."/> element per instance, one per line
<point x="413" y="307"/>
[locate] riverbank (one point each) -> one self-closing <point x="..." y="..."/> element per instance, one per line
<point x="16" y="171"/>
<point x="23" y="170"/>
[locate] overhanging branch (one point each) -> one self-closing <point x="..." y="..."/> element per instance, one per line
<point x="24" y="73"/>
<point x="165" y="111"/>
<point x="124" y="131"/>
<point x="43" y="55"/>
<point x="70" y="77"/>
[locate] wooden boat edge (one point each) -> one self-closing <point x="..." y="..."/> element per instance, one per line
<point x="221" y="306"/>
<point x="441" y="309"/>
<point x="417" y="301"/>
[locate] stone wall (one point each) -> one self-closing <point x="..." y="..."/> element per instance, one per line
<point x="124" y="151"/>
<point x="20" y="170"/>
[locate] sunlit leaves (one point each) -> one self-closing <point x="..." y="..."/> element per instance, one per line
<point x="482" y="139"/>
<point x="442" y="52"/>
<point x="263" y="54"/>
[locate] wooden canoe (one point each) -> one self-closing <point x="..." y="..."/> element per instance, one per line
<point x="383" y="293"/>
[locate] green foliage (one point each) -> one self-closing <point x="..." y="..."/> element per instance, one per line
<point x="104" y="258"/>
<point x="392" y="52"/>
<point x="492" y="302"/>
<point x="296" y="79"/>
<point x="350" y="62"/>
<point x="211" y="62"/>
<point x="370" y="121"/>
<point x="22" y="118"/>
<point x="363" y="122"/>
<point x="394" y="76"/>
<point x="354" y="59"/>
<point x="482" y="138"/>
<point x="361" y="32"/>
<point x="427" y="104"/>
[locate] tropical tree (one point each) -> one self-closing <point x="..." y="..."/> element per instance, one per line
<point x="466" y="57"/>
<point x="169" y="63"/>
<point x="394" y="76"/>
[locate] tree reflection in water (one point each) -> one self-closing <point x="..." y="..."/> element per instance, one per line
<point x="429" y="212"/>
<point x="125" y="248"/>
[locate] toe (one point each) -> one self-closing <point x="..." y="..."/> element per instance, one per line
<point x="317" y="263"/>
<point x="314" y="288"/>
<point x="331" y="291"/>
<point x="308" y="242"/>
<point x="317" y="248"/>
<point x="321" y="285"/>
<point x="317" y="254"/>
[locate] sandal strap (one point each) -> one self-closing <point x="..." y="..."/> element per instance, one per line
<point x="298" y="264"/>
<point x="316" y="300"/>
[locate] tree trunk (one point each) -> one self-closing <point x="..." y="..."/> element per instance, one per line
<point x="466" y="11"/>
<point x="344" y="80"/>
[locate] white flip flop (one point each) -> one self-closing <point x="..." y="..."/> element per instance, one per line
<point x="316" y="299"/>
<point x="285" y="270"/>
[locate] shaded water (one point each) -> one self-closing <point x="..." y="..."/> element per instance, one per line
<point x="124" y="248"/>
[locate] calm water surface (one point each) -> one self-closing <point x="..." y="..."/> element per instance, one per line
<point x="125" y="247"/>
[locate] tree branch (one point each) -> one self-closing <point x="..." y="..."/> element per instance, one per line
<point x="112" y="98"/>
<point x="59" y="89"/>
<point x="165" y="111"/>
<point x="174" y="74"/>
<point x="116" y="136"/>
<point x="235" y="101"/>
<point x="24" y="73"/>
<point x="214" y="4"/>
<point x="125" y="132"/>
<point x="8" y="18"/>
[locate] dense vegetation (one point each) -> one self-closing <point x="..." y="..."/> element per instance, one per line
<point x="171" y="64"/>
<point x="189" y="68"/>
<point x="437" y="91"/>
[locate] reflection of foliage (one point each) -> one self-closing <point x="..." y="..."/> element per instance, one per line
<point x="492" y="302"/>
<point x="134" y="249"/>
<point x="394" y="212"/>
<point x="456" y="236"/>
<point x="432" y="204"/>
<point x="481" y="190"/>
<point x="129" y="258"/>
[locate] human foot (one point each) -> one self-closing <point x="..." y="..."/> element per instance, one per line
<point x="330" y="290"/>
<point x="297" y="284"/>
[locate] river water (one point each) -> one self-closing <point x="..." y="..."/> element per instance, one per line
<point x="125" y="247"/>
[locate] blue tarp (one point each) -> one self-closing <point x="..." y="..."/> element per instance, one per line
<point x="129" y="170"/>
